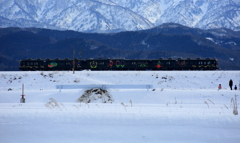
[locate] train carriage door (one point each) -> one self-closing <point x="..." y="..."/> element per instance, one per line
<point x="40" y="63"/>
<point x="44" y="65"/>
<point x="78" y="64"/>
<point x="68" y="64"/>
<point x="188" y="64"/>
<point x="132" y="65"/>
<point x="122" y="64"/>
<point x="102" y="64"/>
<point x="168" y="64"/>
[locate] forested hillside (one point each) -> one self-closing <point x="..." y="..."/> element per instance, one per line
<point x="164" y="41"/>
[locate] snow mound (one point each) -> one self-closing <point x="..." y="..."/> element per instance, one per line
<point x="96" y="95"/>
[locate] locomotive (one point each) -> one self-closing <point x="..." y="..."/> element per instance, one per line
<point x="118" y="64"/>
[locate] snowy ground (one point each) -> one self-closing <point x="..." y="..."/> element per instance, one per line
<point x="183" y="106"/>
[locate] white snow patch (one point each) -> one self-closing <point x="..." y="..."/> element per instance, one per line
<point x="231" y="43"/>
<point x="184" y="106"/>
<point x="210" y="39"/>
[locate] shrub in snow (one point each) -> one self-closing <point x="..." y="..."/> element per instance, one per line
<point x="77" y="80"/>
<point x="50" y="75"/>
<point x="96" y="95"/>
<point x="10" y="89"/>
<point x="3" y="76"/>
<point x="10" y="80"/>
<point x="42" y="73"/>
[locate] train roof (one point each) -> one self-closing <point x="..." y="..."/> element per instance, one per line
<point x="66" y="59"/>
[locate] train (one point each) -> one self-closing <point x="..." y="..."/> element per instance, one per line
<point x="117" y="64"/>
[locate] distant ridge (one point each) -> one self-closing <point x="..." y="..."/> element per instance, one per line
<point x="107" y="16"/>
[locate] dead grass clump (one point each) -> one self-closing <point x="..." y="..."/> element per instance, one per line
<point x="235" y="107"/>
<point x="53" y="104"/>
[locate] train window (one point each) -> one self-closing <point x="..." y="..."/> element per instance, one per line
<point x="168" y="63"/>
<point x="204" y="63"/>
<point x="35" y="63"/>
<point x="31" y="63"/>
<point x="68" y="63"/>
<point x="133" y="63"/>
<point x="208" y="62"/>
<point x="101" y="63"/>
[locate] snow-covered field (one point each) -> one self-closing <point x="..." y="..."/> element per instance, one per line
<point x="182" y="106"/>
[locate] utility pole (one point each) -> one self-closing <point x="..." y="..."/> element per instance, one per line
<point x="22" y="100"/>
<point x="73" y="68"/>
<point x="80" y="54"/>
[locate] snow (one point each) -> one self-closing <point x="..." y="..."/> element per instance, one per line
<point x="231" y="43"/>
<point x="84" y="15"/>
<point x="183" y="106"/>
<point x="210" y="39"/>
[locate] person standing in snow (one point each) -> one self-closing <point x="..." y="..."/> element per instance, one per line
<point x="219" y="87"/>
<point x="231" y="84"/>
<point x="235" y="87"/>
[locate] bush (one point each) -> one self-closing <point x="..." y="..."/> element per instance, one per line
<point x="96" y="95"/>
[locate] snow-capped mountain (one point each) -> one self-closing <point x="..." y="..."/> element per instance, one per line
<point x="119" y="15"/>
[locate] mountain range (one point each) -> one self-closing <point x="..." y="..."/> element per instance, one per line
<point x="119" y="15"/>
<point x="168" y="40"/>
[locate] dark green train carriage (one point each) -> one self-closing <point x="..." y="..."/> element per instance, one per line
<point x="118" y="64"/>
